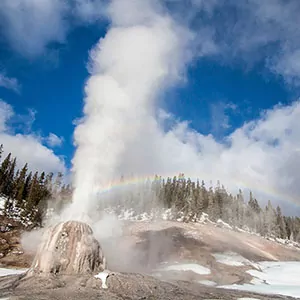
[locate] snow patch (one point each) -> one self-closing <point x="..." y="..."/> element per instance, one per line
<point x="2" y="203"/>
<point x="5" y="272"/>
<point x="196" y="268"/>
<point x="207" y="282"/>
<point x="232" y="259"/>
<point x="223" y="224"/>
<point x="102" y="276"/>
<point x="247" y="299"/>
<point x="204" y="218"/>
<point x="274" y="278"/>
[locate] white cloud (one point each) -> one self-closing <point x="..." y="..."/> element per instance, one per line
<point x="262" y="155"/>
<point x="30" y="26"/>
<point x="145" y="51"/>
<point x="28" y="148"/>
<point x="6" y="112"/>
<point x="251" y="31"/>
<point x="53" y="140"/>
<point x="89" y="11"/>
<point x="9" y="83"/>
<point x="220" y="120"/>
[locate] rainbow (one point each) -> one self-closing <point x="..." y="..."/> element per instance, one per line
<point x="260" y="190"/>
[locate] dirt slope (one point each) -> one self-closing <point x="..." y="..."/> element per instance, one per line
<point x="146" y="245"/>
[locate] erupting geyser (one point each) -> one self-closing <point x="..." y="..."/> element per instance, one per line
<point x="68" y="248"/>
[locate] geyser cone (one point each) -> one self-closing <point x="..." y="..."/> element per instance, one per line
<point x="68" y="248"/>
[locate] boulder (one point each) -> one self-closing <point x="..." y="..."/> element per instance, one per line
<point x="68" y="248"/>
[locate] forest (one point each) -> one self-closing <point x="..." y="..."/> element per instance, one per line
<point x="27" y="195"/>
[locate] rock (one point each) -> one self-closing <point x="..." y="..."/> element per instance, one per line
<point x="69" y="248"/>
<point x="3" y="241"/>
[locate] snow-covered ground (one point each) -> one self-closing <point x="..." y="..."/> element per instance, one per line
<point x="247" y="299"/>
<point x="281" y="278"/>
<point x="196" y="268"/>
<point x="2" y="201"/>
<point x="5" y="272"/>
<point x="234" y="259"/>
<point x="270" y="277"/>
<point x="207" y="282"/>
<point x="231" y="259"/>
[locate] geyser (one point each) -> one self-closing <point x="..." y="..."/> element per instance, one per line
<point x="68" y="248"/>
<point x="142" y="53"/>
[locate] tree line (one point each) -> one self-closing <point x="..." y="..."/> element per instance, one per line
<point x="188" y="199"/>
<point x="26" y="196"/>
<point x="26" y="193"/>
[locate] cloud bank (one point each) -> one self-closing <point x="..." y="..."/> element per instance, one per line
<point x="28" y="148"/>
<point x="31" y="26"/>
<point x="146" y="51"/>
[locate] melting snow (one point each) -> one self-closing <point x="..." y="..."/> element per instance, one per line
<point x="207" y="282"/>
<point x="231" y="259"/>
<point x="247" y="299"/>
<point x="102" y="276"/>
<point x="196" y="268"/>
<point x="274" y="278"/>
<point x="5" y="272"/>
<point x="2" y="201"/>
<point x="221" y="223"/>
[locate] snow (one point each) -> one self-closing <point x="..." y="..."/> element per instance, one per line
<point x="207" y="282"/>
<point x="196" y="268"/>
<point x="222" y="224"/>
<point x="2" y="201"/>
<point x="102" y="276"/>
<point x="247" y="299"/>
<point x="274" y="278"/>
<point x="231" y="259"/>
<point x="5" y="272"/>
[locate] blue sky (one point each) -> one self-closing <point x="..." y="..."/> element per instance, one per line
<point x="53" y="86"/>
<point x="238" y="62"/>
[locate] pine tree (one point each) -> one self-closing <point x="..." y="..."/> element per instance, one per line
<point x="33" y="194"/>
<point x="1" y="151"/>
<point x="27" y="186"/>
<point x="48" y="182"/>
<point x="20" y="187"/>
<point x="41" y="200"/>
<point x="280" y="224"/>
<point x="4" y="170"/>
<point x="8" y="186"/>
<point x="10" y="179"/>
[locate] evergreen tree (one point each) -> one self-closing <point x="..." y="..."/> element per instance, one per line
<point x="1" y="151"/>
<point x="280" y="223"/>
<point x="4" y="170"/>
<point x="19" y="193"/>
<point x="33" y="194"/>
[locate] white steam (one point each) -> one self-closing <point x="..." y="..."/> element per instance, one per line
<point x="141" y="53"/>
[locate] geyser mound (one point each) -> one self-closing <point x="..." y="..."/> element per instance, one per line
<point x="68" y="248"/>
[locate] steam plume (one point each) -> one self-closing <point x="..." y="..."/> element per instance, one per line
<point x="141" y="54"/>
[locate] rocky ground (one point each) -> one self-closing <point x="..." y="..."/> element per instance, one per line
<point x="145" y="245"/>
<point x="141" y="248"/>
<point x="121" y="286"/>
<point x="11" y="252"/>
